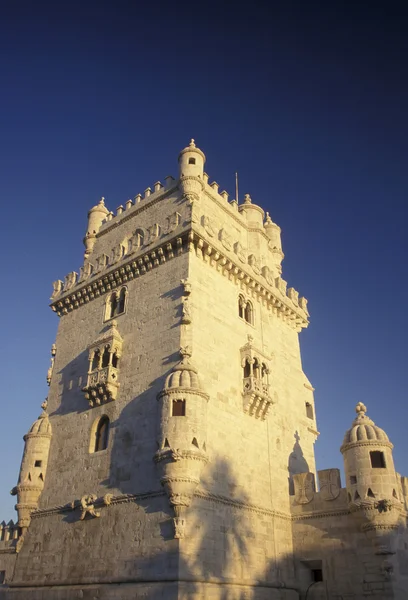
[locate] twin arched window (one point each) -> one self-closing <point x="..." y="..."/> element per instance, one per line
<point x="254" y="368"/>
<point x="100" y="434"/>
<point x="116" y="304"/>
<point x="245" y="310"/>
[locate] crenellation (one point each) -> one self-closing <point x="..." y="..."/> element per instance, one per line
<point x="147" y="192"/>
<point x="129" y="204"/>
<point x="119" y="210"/>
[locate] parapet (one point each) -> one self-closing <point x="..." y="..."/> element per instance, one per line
<point x="307" y="501"/>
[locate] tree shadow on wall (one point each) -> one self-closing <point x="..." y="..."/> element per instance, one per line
<point x="296" y="463"/>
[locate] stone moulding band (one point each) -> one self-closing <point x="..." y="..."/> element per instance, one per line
<point x="121" y="499"/>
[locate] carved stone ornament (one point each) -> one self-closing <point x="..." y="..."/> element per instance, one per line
<point x="179" y="528"/>
<point x="70" y="280"/>
<point x="186" y="312"/>
<point x="304" y="487"/>
<point x="330" y="485"/>
<point x="173" y="221"/>
<point x="208" y="225"/>
<point x="87" y="506"/>
<point x="226" y="239"/>
<point x="253" y="261"/>
<point x="187" y="288"/>
<point x="240" y="252"/>
<point x="85" y="272"/>
<point x="57" y="288"/>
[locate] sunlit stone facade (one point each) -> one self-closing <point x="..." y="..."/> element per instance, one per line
<point x="174" y="458"/>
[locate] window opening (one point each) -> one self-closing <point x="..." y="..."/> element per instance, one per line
<point x="179" y="408"/>
<point x="113" y="305"/>
<point x="317" y="575"/>
<point x="194" y="442"/>
<point x="257" y="370"/>
<point x="191" y="161"/>
<point x="102" y="434"/>
<point x="121" y="303"/>
<point x="38" y="463"/>
<point x="356" y="496"/>
<point x="247" y="369"/>
<point x="2" y="576"/>
<point x="377" y="459"/>
<point x="241" y="307"/>
<point x="95" y="360"/>
<point x="353" y="479"/>
<point x="309" y="410"/>
<point x="370" y="493"/>
<point x="115" y="360"/>
<point x="249" y="313"/>
<point x="105" y="357"/>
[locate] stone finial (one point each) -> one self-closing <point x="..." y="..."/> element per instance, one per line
<point x="268" y="219"/>
<point x="361" y="409"/>
<point x="102" y="201"/>
<point x="192" y="143"/>
<point x="44" y="406"/>
<point x="247" y="199"/>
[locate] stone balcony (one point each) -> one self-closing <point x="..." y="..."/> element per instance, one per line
<point x="257" y="400"/>
<point x="102" y="385"/>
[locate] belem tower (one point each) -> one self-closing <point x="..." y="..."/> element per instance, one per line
<point x="174" y="455"/>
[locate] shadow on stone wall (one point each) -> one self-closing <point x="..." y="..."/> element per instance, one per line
<point x="296" y="463"/>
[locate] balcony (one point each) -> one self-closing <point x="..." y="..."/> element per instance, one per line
<point x="102" y="385"/>
<point x="257" y="400"/>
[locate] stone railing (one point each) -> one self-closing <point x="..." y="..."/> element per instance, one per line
<point x="102" y="385"/>
<point x="253" y="385"/>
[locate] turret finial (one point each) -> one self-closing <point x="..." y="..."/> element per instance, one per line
<point x="247" y="199"/>
<point x="268" y="218"/>
<point x="192" y="143"/>
<point x="361" y="409"/>
<point x="185" y="352"/>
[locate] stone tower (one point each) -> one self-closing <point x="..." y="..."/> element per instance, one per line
<point x="181" y="463"/>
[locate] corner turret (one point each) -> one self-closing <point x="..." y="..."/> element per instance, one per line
<point x="182" y="434"/>
<point x="33" y="468"/>
<point x="253" y="213"/>
<point x="191" y="171"/>
<point x="95" y="218"/>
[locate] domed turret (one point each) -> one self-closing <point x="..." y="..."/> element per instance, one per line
<point x="33" y="468"/>
<point x="273" y="231"/>
<point x="95" y="218"/>
<point x="182" y="436"/>
<point x="191" y="170"/>
<point x="368" y="462"/>
<point x="254" y="214"/>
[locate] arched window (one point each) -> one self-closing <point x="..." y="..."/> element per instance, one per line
<point x="95" y="360"/>
<point x="121" y="303"/>
<point x="113" y="303"/>
<point x="257" y="369"/>
<point x="115" y="360"/>
<point x="191" y="161"/>
<point x="105" y="357"/>
<point x="241" y="306"/>
<point x="249" y="313"/>
<point x="247" y="368"/>
<point x="100" y="435"/>
<point x="264" y="371"/>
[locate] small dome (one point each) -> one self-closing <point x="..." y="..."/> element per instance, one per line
<point x="41" y="425"/>
<point x="192" y="148"/>
<point x="100" y="207"/>
<point x="184" y="375"/>
<point x="364" y="429"/>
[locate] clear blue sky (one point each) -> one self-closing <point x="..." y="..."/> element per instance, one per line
<point x="307" y="100"/>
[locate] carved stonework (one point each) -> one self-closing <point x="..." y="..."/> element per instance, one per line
<point x="172" y="222"/>
<point x="70" y="280"/>
<point x="240" y="251"/>
<point x="87" y="506"/>
<point x="57" y="288"/>
<point x="293" y="295"/>
<point x="253" y="261"/>
<point x="153" y="233"/>
<point x="281" y="285"/>
<point x="226" y="239"/>
<point x="85" y="272"/>
<point x="330" y="484"/>
<point x="51" y="368"/>
<point x="256" y="391"/>
<point x="179" y="527"/>
<point x="103" y="374"/>
<point x="208" y="225"/>
<point x="304" y="487"/>
<point x="186" y="311"/>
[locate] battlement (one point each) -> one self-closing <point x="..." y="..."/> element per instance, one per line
<point x="9" y="533"/>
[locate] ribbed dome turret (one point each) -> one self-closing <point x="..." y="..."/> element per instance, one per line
<point x="41" y="426"/>
<point x="184" y="375"/>
<point x="364" y="429"/>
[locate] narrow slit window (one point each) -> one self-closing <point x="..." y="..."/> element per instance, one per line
<point x="377" y="459"/>
<point x="113" y="305"/>
<point x="121" y="303"/>
<point x="179" y="408"/>
<point x="309" y="410"/>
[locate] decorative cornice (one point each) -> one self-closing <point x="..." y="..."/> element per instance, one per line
<point x="177" y="391"/>
<point x="277" y="301"/>
<point x="131" y="268"/>
<point x="377" y="443"/>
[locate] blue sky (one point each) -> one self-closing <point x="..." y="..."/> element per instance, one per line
<point x="307" y="101"/>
